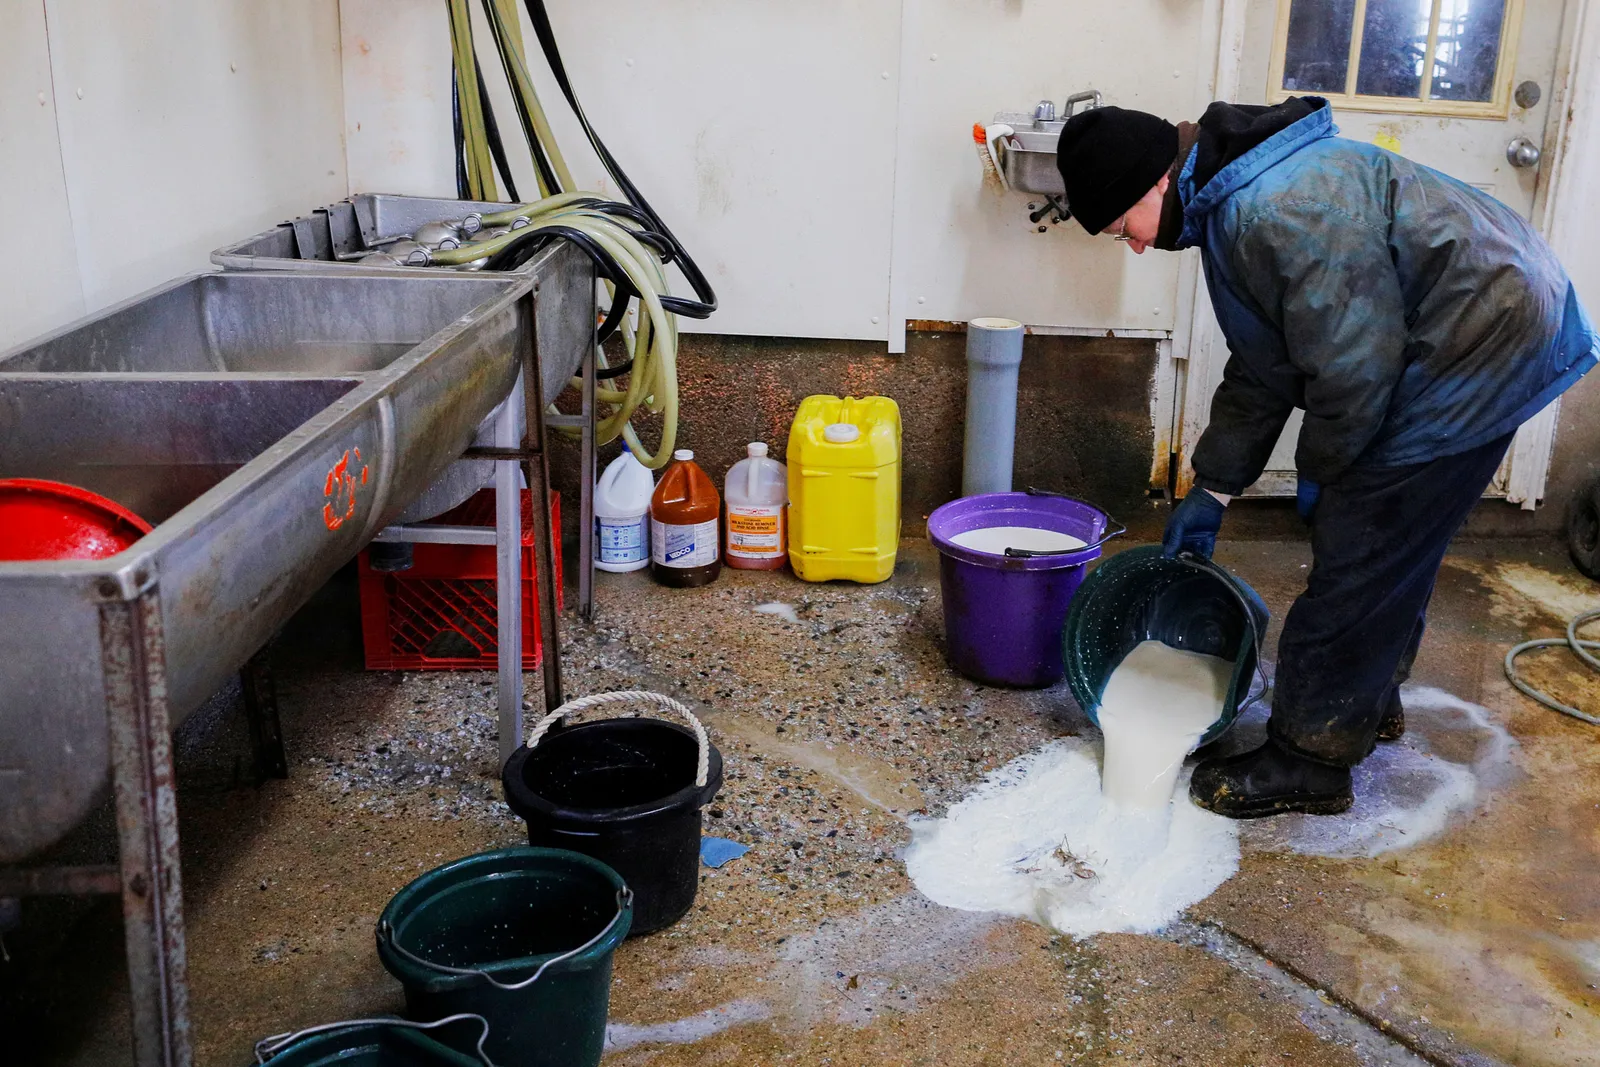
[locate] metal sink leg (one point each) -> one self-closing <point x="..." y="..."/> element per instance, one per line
<point x="587" y="473"/>
<point x="537" y="457"/>
<point x="532" y="452"/>
<point x="133" y="657"/>
<point x="261" y="714"/>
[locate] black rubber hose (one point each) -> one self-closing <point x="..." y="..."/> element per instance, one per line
<point x="463" y="187"/>
<point x="541" y="161"/>
<point x="691" y="271"/>
<point x="522" y="249"/>
<point x="491" y="131"/>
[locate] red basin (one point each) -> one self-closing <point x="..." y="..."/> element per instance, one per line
<point x="52" y="520"/>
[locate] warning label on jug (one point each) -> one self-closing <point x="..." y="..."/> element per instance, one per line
<point x="621" y="540"/>
<point x="755" y="532"/>
<point x="684" y="546"/>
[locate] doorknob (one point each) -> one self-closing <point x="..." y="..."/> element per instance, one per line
<point x="1522" y="153"/>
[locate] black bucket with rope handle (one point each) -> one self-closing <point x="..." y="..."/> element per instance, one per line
<point x="628" y="792"/>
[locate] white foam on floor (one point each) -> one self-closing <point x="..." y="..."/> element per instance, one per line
<point x="1037" y="839"/>
<point x="688" y="1030"/>
<point x="1406" y="793"/>
<point x="783" y="611"/>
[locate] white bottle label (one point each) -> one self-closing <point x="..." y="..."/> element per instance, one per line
<point x="621" y="540"/>
<point x="694" y="545"/>
<point x="755" y="532"/>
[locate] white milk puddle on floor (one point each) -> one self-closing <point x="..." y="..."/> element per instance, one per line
<point x="997" y="539"/>
<point x="1408" y="792"/>
<point x="1039" y="839"/>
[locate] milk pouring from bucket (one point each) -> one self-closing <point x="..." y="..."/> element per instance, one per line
<point x="1185" y="602"/>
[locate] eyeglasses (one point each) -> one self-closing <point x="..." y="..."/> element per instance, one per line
<point x="1122" y="231"/>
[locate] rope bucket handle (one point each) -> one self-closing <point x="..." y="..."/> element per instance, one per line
<point x="269" y="1047"/>
<point x="631" y="696"/>
<point x="386" y="935"/>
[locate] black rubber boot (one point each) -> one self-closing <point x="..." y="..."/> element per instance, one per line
<point x="1270" y="780"/>
<point x="1392" y="727"/>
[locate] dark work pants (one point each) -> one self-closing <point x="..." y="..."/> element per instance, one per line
<point x="1378" y="536"/>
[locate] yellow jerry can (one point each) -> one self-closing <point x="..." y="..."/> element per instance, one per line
<point x="844" y="488"/>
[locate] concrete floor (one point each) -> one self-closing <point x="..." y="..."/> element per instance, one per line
<point x="1479" y="945"/>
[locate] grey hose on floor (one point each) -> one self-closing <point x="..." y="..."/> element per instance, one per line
<point x="1579" y="647"/>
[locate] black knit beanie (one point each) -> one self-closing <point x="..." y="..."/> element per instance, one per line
<point x="1109" y="158"/>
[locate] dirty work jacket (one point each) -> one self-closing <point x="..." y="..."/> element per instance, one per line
<point x="1411" y="315"/>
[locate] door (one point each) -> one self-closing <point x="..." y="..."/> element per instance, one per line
<point x="1487" y="87"/>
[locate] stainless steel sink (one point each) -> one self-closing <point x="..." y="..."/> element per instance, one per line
<point x="268" y="424"/>
<point x="1028" y="156"/>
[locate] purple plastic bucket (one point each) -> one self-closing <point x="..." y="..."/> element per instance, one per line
<point x="1003" y="614"/>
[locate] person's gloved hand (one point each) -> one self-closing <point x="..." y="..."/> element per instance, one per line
<point x="1194" y="524"/>
<point x="1306" y="495"/>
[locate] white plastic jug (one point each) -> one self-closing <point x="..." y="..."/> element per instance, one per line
<point x="622" y="515"/>
<point x="756" y="532"/>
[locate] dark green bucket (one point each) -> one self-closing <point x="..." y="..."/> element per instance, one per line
<point x="521" y="936"/>
<point x="374" y="1043"/>
<point x="1187" y="602"/>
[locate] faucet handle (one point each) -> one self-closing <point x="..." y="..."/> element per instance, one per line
<point x="1088" y="96"/>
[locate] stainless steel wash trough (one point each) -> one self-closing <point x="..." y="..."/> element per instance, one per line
<point x="336" y="236"/>
<point x="269" y="425"/>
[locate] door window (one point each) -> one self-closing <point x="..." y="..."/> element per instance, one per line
<point x="1439" y="57"/>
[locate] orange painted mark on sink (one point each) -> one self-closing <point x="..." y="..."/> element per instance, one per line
<point x="341" y="487"/>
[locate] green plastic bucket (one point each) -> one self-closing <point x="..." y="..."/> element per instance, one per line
<point x="1186" y="601"/>
<point x="376" y="1043"/>
<point x="521" y="936"/>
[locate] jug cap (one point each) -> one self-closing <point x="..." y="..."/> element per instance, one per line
<point x="684" y="454"/>
<point x="756" y="449"/>
<point x="841" y="433"/>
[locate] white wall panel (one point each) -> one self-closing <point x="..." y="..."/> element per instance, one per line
<point x="777" y="139"/>
<point x="397" y="97"/>
<point x="40" y="291"/>
<point x="761" y="130"/>
<point x="185" y="125"/>
<point x="968" y="252"/>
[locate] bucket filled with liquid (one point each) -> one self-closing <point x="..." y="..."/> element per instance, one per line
<point x="522" y="937"/>
<point x="1009" y="564"/>
<point x="628" y="792"/>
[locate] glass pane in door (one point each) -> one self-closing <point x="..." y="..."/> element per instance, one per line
<point x="1316" y="57"/>
<point x="1393" y="43"/>
<point x="1469" y="49"/>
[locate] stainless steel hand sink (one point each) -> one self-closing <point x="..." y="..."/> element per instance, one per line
<point x="1028" y="154"/>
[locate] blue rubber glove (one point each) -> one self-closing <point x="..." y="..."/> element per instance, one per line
<point x="1306" y="495"/>
<point x="1194" y="525"/>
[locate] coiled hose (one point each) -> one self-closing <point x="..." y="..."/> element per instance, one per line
<point x="1580" y="648"/>
<point x="628" y="242"/>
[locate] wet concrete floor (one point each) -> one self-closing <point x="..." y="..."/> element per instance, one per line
<point x="1451" y="918"/>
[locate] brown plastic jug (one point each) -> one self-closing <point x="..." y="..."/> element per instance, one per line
<point x="685" y="525"/>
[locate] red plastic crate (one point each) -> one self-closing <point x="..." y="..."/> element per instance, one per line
<point x="441" y="614"/>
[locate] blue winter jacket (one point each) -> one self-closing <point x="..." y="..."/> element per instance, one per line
<point x="1411" y="315"/>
